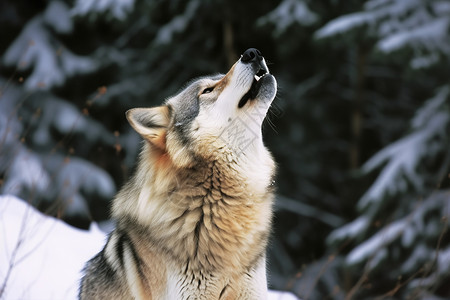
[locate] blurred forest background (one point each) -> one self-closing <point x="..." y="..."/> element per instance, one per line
<point x="360" y="127"/>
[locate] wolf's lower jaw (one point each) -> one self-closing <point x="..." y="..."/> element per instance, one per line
<point x="254" y="88"/>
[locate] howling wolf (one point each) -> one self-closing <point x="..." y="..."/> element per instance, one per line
<point x="194" y="220"/>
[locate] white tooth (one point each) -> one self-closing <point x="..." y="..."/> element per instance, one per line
<point x="257" y="77"/>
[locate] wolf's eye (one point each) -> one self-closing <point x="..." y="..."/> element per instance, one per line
<point x="208" y="90"/>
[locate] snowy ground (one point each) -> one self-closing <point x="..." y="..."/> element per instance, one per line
<point x="41" y="257"/>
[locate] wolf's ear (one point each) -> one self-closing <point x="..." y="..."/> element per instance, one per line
<point x="151" y="123"/>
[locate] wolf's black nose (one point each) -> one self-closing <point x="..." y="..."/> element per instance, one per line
<point x="251" y="54"/>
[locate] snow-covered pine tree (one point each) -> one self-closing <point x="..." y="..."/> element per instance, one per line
<point x="47" y="136"/>
<point x="399" y="246"/>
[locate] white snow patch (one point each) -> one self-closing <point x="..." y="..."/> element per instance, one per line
<point x="277" y="295"/>
<point x="45" y="254"/>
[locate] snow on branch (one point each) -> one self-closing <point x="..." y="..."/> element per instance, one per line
<point x="119" y="9"/>
<point x="441" y="273"/>
<point x="349" y="231"/>
<point x="409" y="228"/>
<point x="429" y="36"/>
<point x="430" y="108"/>
<point x="400" y="161"/>
<point x="344" y="24"/>
<point x="403" y="157"/>
<point x="66" y="119"/>
<point x="370" y="247"/>
<point x="25" y="172"/>
<point x="287" y="13"/>
<point x="177" y="24"/>
<point x="77" y="178"/>
<point x="37" y="48"/>
<point x="398" y="24"/>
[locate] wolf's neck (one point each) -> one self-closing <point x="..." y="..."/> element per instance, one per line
<point x="213" y="216"/>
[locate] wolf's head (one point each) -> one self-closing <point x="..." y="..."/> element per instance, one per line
<point x="212" y="115"/>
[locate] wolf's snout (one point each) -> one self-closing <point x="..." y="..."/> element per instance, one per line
<point x="250" y="55"/>
<point x="261" y="85"/>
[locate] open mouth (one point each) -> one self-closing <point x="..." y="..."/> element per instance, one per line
<point x="254" y="89"/>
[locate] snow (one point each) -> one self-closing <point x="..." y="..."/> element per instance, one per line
<point x="377" y="258"/>
<point x="343" y="24"/>
<point x="403" y="156"/>
<point x="37" y="48"/>
<point x="46" y="255"/>
<point x="442" y="7"/>
<point x="72" y="64"/>
<point x="399" y="24"/>
<point x="22" y="168"/>
<point x="350" y="230"/>
<point x="431" y="107"/>
<point x="392" y="8"/>
<point x="373" y="245"/>
<point x="374" y="249"/>
<point x="51" y="65"/>
<point x="287" y="13"/>
<point x="428" y="36"/>
<point x="78" y="173"/>
<point x="26" y="173"/>
<point x="10" y="127"/>
<point x="408" y="237"/>
<point x="119" y="9"/>
<point x="442" y="265"/>
<point x="74" y="178"/>
<point x="66" y="118"/>
<point x="420" y="254"/>
<point x="382" y="13"/>
<point x="32" y="47"/>
<point x="177" y="24"/>
<point x="58" y="17"/>
<point x="424" y="61"/>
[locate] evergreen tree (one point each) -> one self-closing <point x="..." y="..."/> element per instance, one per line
<point x="397" y="243"/>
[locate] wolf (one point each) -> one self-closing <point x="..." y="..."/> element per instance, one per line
<point x="194" y="220"/>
